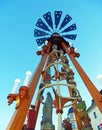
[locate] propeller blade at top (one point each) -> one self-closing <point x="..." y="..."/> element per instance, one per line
<point x="48" y="19"/>
<point x="38" y="33"/>
<point x="70" y="36"/>
<point x="58" y="15"/>
<point x="41" y="41"/>
<point x="66" y="20"/>
<point x="42" y="25"/>
<point x="70" y="28"/>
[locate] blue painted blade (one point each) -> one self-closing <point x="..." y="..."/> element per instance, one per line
<point x="71" y="36"/>
<point x="48" y="19"/>
<point x="66" y="20"/>
<point x="58" y="15"/>
<point x="38" y="33"/>
<point x="41" y="41"/>
<point x="42" y="25"/>
<point x="70" y="28"/>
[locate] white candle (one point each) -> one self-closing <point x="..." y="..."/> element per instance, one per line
<point x="46" y="42"/>
<point x="71" y="44"/>
<point x="27" y="77"/>
<point x="17" y="81"/>
<point x="99" y="77"/>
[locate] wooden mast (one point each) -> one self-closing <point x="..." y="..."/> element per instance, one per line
<point x="90" y="86"/>
<point x="20" y="113"/>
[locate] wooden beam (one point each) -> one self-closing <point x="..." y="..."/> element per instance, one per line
<point x="90" y="86"/>
<point x="20" y="113"/>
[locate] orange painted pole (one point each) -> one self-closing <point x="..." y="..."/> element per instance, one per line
<point x="38" y="102"/>
<point x="78" y="121"/>
<point x="90" y="86"/>
<point x="20" y="113"/>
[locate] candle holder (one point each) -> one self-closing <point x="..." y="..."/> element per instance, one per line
<point x="72" y="52"/>
<point x="23" y="93"/>
<point x="11" y="97"/>
<point x="43" y="51"/>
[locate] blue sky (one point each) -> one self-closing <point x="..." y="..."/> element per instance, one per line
<point x="18" y="46"/>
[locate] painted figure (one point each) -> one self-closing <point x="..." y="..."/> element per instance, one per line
<point x="47" y="109"/>
<point x="31" y="118"/>
<point x="67" y="125"/>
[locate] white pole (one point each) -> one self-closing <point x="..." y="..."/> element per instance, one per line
<point x="59" y="121"/>
<point x="59" y="114"/>
<point x="17" y="81"/>
<point x="27" y="77"/>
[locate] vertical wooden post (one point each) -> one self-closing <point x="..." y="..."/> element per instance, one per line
<point x="19" y="115"/>
<point x="90" y="86"/>
<point x="38" y="102"/>
<point x="78" y="121"/>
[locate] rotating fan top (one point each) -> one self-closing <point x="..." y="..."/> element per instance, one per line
<point x="48" y="27"/>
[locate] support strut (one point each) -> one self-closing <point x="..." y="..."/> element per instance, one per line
<point x="20" y="113"/>
<point x="90" y="86"/>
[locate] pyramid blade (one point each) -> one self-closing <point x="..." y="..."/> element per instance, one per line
<point x="41" y="41"/>
<point x="48" y="19"/>
<point x="42" y="25"/>
<point x="70" y="36"/>
<point x="70" y="28"/>
<point x="58" y="15"/>
<point x="38" y="33"/>
<point x="66" y="20"/>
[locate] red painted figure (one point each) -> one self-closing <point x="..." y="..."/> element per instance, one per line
<point x="31" y="118"/>
<point x="67" y="124"/>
